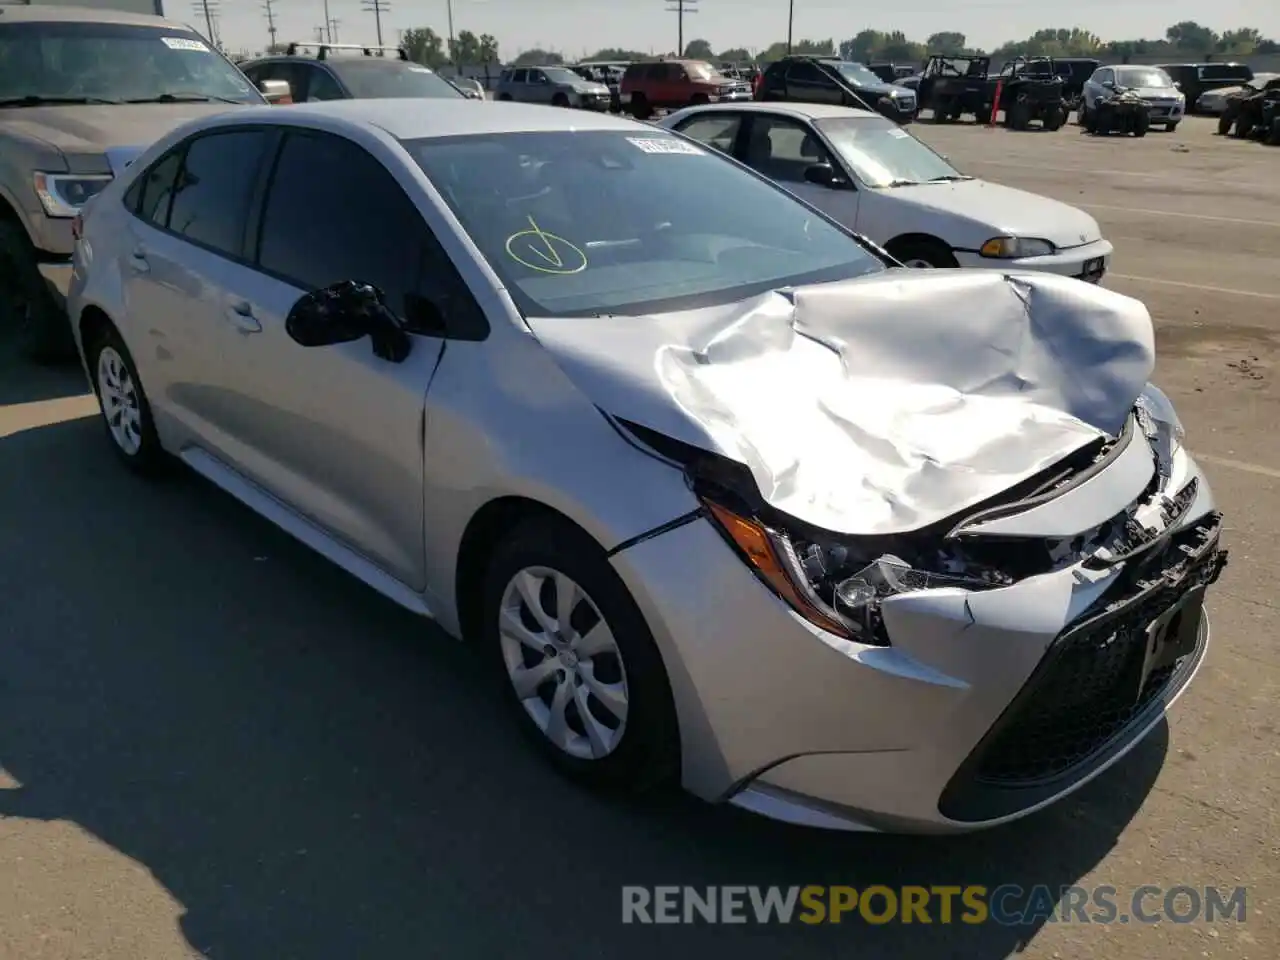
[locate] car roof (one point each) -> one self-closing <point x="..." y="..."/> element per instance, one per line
<point x="424" y="117"/>
<point x="50" y="14"/>
<point x="800" y="111"/>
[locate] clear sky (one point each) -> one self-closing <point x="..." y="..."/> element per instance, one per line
<point x="575" y="27"/>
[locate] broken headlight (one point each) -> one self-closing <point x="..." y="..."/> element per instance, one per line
<point x="836" y="585"/>
<point x="1161" y="426"/>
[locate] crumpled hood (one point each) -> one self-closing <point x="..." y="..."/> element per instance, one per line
<point x="878" y="405"/>
<point x="1010" y="212"/>
<point x="95" y="128"/>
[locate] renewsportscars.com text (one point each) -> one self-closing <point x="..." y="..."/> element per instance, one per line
<point x="1009" y="904"/>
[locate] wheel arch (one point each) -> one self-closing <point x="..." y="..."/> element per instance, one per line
<point x="920" y="237"/>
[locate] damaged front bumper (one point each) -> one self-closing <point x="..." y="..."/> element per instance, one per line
<point x="979" y="707"/>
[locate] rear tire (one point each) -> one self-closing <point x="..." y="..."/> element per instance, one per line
<point x="1170" y="127"/>
<point x="601" y="660"/>
<point x="923" y="253"/>
<point x="559" y="100"/>
<point x="640" y="108"/>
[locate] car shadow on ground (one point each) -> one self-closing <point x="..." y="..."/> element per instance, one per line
<point x="314" y="773"/>
<point x="22" y="381"/>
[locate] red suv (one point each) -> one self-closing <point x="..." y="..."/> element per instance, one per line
<point x="673" y="84"/>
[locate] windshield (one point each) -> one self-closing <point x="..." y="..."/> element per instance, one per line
<point x="1142" y="77"/>
<point x="592" y="223"/>
<point x="857" y="73"/>
<point x="114" y="62"/>
<point x="377" y="79"/>
<point x="882" y="154"/>
<point x="561" y="75"/>
<point x="702" y="71"/>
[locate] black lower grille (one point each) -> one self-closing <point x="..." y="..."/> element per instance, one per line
<point x="1097" y="681"/>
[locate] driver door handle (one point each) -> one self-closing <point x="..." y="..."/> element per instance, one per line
<point x="138" y="260"/>
<point x="240" y="314"/>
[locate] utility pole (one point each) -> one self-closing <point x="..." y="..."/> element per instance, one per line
<point x="333" y="30"/>
<point x="452" y="45"/>
<point x="328" y="24"/>
<point x="320" y="32"/>
<point x="791" y="19"/>
<point x="209" y="9"/>
<point x="269" y="9"/>
<point x="680" y="8"/>
<point x="377" y="8"/>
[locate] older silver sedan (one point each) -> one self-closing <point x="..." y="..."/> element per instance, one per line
<point x="724" y="495"/>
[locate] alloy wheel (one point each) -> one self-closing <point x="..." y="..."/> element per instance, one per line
<point x="118" y="394"/>
<point x="563" y="663"/>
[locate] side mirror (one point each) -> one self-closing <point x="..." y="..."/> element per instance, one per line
<point x="1177" y="84"/>
<point x="345" y="312"/>
<point x="822" y="174"/>
<point x="276" y="92"/>
<point x="1108" y="84"/>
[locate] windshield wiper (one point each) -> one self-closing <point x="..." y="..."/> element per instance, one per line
<point x="948" y="178"/>
<point x="183" y="98"/>
<point x="901" y="183"/>
<point x="31" y="100"/>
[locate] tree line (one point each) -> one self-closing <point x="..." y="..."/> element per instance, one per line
<point x="1185" y="40"/>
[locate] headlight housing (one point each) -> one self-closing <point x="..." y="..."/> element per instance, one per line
<point x="828" y="583"/>
<point x="1161" y="426"/>
<point x="63" y="194"/>
<point x="1015" y="248"/>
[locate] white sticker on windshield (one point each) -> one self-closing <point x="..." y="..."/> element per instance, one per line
<point x="183" y="43"/>
<point x="898" y="133"/>
<point x="669" y="145"/>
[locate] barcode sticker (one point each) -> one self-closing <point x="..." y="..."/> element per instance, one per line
<point x="667" y="145"/>
<point x="184" y="43"/>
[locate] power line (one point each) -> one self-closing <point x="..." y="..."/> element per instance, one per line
<point x="680" y="8"/>
<point x="377" y="8"/>
<point x="269" y="9"/>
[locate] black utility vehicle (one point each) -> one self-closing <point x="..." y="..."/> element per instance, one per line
<point x="1194" y="79"/>
<point x="1243" y="114"/>
<point x="1123" y="112"/>
<point x="955" y="86"/>
<point x="831" y="80"/>
<point x="891" y="72"/>
<point x="1030" y="91"/>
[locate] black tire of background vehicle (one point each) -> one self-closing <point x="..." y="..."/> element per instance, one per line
<point x="933" y="252"/>
<point x="698" y="100"/>
<point x="1082" y="115"/>
<point x="504" y="96"/>
<point x="26" y="305"/>
<point x="941" y="109"/>
<point x="559" y="100"/>
<point x="1225" y="123"/>
<point x="640" y="108"/>
<point x="1244" y="127"/>
<point x="1170" y="127"/>
<point x="1018" y="115"/>
<point x="1093" y="124"/>
<point x="649" y="755"/>
<point x="150" y="460"/>
<point x="1141" y="124"/>
<point x="1273" y="135"/>
<point x="1055" y="118"/>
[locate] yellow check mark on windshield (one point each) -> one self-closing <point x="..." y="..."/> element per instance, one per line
<point x="549" y="254"/>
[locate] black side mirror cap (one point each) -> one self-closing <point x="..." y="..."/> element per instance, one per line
<point x="345" y="312"/>
<point x="823" y="174"/>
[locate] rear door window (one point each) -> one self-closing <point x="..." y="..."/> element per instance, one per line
<point x="718" y="130"/>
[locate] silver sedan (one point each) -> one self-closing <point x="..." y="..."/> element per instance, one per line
<point x="724" y="496"/>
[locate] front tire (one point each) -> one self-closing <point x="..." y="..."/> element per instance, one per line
<point x="126" y="412"/>
<point x="1141" y="124"/>
<point x="26" y="306"/>
<point x="579" y="665"/>
<point x="923" y="254"/>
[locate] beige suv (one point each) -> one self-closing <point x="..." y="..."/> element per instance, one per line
<point x="73" y="114"/>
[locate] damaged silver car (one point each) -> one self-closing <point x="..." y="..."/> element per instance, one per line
<point x="724" y="496"/>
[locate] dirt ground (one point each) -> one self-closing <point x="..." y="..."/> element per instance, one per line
<point x="212" y="742"/>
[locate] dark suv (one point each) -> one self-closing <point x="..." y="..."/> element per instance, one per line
<point x="357" y="73"/>
<point x="831" y="80"/>
<point x="1194" y="79"/>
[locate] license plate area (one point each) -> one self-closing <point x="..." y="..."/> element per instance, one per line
<point x="1170" y="637"/>
<point x="1094" y="269"/>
